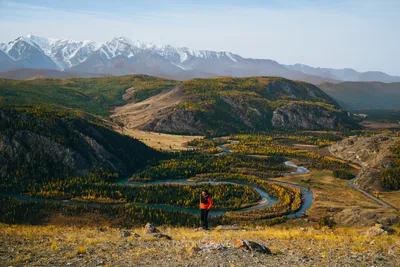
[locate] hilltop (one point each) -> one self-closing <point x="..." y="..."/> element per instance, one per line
<point x="93" y="95"/>
<point x="224" y="105"/>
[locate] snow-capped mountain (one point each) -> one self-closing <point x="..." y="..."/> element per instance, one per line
<point x="122" y="56"/>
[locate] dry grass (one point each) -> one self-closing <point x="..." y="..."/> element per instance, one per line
<point x="332" y="196"/>
<point x="160" y="140"/>
<point x="355" y="166"/>
<point x="392" y="197"/>
<point x="135" y="115"/>
<point x="58" y="245"/>
<point x="374" y="125"/>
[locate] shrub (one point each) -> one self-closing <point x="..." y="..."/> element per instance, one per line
<point x="342" y="174"/>
<point x="326" y="221"/>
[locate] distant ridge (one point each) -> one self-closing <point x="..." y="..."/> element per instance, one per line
<point x="364" y="95"/>
<point x="123" y="56"/>
<point x="31" y="74"/>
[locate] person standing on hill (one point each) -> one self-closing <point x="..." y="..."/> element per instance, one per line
<point x="205" y="206"/>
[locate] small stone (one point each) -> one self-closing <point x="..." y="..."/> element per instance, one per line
<point x="125" y="233"/>
<point x="213" y="245"/>
<point x="391" y="251"/>
<point x="252" y="246"/>
<point x="136" y="235"/>
<point x="375" y="231"/>
<point x="149" y="229"/>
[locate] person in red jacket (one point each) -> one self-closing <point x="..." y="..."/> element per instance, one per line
<point x="205" y="206"/>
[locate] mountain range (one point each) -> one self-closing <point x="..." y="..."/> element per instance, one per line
<point x="122" y="56"/>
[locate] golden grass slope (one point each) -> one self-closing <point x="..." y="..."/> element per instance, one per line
<point x="87" y="246"/>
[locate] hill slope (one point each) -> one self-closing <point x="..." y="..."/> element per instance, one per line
<point x="378" y="155"/>
<point x="364" y="95"/>
<point x="36" y="145"/>
<point x="224" y="105"/>
<point x="93" y="95"/>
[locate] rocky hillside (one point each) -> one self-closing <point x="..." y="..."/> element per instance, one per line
<point x="36" y="145"/>
<point x="224" y="105"/>
<point x="374" y="153"/>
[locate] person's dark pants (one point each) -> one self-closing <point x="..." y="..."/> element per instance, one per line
<point x="204" y="219"/>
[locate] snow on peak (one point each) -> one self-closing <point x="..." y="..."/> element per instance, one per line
<point x="229" y="54"/>
<point x="68" y="53"/>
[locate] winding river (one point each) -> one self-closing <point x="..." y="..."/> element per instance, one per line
<point x="266" y="200"/>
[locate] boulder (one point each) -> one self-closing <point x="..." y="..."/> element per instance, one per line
<point x="150" y="229"/>
<point x="376" y="231"/>
<point x="125" y="233"/>
<point x="252" y="246"/>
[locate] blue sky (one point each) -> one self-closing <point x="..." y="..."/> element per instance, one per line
<point x="359" y="34"/>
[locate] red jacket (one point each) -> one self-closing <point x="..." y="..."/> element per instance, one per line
<point x="206" y="203"/>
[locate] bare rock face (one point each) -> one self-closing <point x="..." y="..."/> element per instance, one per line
<point x="372" y="153"/>
<point x="252" y="246"/>
<point x="179" y="121"/>
<point x="301" y="116"/>
<point x="246" y="115"/>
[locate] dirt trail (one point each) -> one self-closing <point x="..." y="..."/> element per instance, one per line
<point x="351" y="184"/>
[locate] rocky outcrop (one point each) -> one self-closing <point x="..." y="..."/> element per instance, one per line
<point x="176" y="121"/>
<point x="372" y="153"/>
<point x="227" y="105"/>
<point x="246" y="116"/>
<point x="305" y="116"/>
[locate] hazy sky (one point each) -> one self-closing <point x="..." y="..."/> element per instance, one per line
<point x="359" y="34"/>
